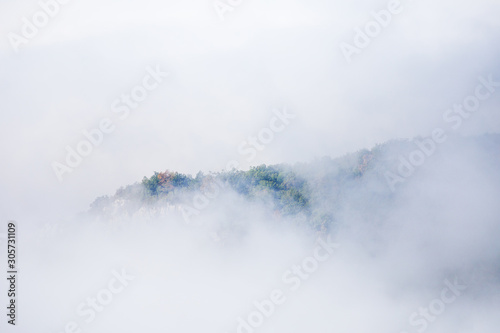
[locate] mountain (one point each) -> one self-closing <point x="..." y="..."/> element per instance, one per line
<point x="316" y="195"/>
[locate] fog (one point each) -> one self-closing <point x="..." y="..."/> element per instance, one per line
<point x="213" y="82"/>
<point x="376" y="271"/>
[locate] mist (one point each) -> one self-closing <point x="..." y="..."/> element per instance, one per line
<point x="425" y="259"/>
<point x="98" y="95"/>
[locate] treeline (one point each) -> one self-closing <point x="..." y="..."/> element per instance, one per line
<point x="318" y="192"/>
<point x="289" y="192"/>
<point x="309" y="190"/>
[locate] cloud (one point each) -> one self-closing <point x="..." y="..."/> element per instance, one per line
<point x="226" y="79"/>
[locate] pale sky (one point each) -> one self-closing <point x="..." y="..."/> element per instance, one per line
<point x="268" y="84"/>
<point x="226" y="77"/>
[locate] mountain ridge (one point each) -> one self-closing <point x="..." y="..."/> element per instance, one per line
<point x="314" y="193"/>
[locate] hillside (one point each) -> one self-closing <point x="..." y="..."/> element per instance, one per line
<point x="314" y="194"/>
